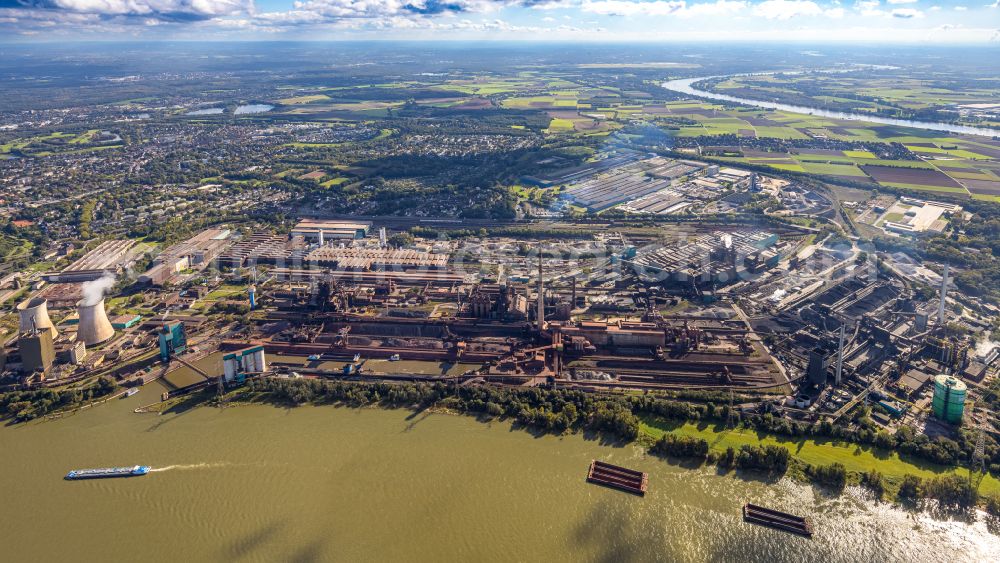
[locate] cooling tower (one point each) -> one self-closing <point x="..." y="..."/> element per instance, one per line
<point x="35" y="314"/>
<point x="94" y="325"/>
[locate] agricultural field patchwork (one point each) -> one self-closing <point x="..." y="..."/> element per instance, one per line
<point x="958" y="164"/>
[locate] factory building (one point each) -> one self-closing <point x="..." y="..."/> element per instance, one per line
<point x="434" y="278"/>
<point x="715" y="258"/>
<point x="264" y="248"/>
<point x="248" y="360"/>
<point x="37" y="350"/>
<point x="105" y="259"/>
<point x="491" y="301"/>
<point x="313" y="229"/>
<point x="819" y="364"/>
<point x="195" y="253"/>
<point x="72" y="352"/>
<point x="364" y="259"/>
<point x="172" y="339"/>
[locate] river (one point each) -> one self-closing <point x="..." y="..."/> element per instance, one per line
<point x="686" y="86"/>
<point x="260" y="483"/>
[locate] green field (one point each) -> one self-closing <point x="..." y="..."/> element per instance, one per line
<point x="833" y="169"/>
<point x="816" y="452"/>
<point x="859" y="154"/>
<point x="304" y="99"/>
<point x="560" y="125"/>
<point x="334" y="182"/>
<point x="541" y="102"/>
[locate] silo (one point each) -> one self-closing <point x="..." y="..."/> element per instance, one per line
<point x="94" y="326"/>
<point x="34" y="314"/>
<point x="949" y="398"/>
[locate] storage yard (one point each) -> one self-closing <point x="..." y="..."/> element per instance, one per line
<point x="627" y="182"/>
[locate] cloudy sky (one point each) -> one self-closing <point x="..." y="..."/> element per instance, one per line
<point x="913" y="21"/>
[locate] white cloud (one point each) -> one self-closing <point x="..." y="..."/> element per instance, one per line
<point x="679" y="8"/>
<point x="907" y="13"/>
<point x="170" y="9"/>
<point x="787" y="9"/>
<point x="718" y="19"/>
<point x="628" y="8"/>
<point x="718" y="8"/>
<point x="871" y="8"/>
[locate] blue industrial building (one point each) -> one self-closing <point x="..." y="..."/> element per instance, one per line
<point x="172" y="340"/>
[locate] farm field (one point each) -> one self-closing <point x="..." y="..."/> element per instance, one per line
<point x="920" y="160"/>
<point x="965" y="165"/>
<point x="885" y="93"/>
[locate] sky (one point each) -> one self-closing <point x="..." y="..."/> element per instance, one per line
<point x="893" y="21"/>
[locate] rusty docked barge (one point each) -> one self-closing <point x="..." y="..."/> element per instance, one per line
<point x="777" y="519"/>
<point x="628" y="480"/>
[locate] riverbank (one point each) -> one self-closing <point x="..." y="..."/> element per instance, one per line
<point x="820" y="460"/>
<point x="687" y="86"/>
<point x="325" y="483"/>
<point x="855" y="458"/>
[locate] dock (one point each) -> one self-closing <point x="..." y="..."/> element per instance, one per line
<point x="777" y="519"/>
<point x="621" y="478"/>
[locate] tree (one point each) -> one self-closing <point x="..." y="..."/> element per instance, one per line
<point x="910" y="488"/>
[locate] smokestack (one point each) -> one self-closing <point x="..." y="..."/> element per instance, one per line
<point x="541" y="294"/>
<point x="944" y="294"/>
<point x="34" y="315"/>
<point x="840" y="357"/>
<point x="94" y="325"/>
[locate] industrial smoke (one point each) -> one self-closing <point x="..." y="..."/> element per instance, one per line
<point x="93" y="291"/>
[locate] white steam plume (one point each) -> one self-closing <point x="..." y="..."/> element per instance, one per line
<point x="93" y="291"/>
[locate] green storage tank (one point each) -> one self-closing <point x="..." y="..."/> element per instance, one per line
<point x="949" y="398"/>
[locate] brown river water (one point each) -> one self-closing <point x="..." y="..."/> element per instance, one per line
<point x="262" y="483"/>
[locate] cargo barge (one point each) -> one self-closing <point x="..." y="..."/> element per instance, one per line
<point x="108" y="472"/>
<point x="777" y="519"/>
<point x="621" y="478"/>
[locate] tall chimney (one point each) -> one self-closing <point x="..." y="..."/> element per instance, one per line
<point x="34" y="315"/>
<point x="94" y="326"/>
<point x="944" y="294"/>
<point x="840" y="357"/>
<point x="541" y="294"/>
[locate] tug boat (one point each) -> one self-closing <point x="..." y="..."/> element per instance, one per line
<point x="108" y="472"/>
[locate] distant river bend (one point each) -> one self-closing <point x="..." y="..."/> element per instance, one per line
<point x="686" y="86"/>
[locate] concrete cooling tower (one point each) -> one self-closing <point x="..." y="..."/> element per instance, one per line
<point x="94" y="325"/>
<point x="35" y="314"/>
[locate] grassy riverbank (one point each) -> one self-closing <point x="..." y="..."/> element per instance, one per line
<point x="853" y="457"/>
<point x="814" y="457"/>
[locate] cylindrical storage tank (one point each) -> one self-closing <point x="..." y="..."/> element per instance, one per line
<point x="34" y="314"/>
<point x="94" y="326"/>
<point x="949" y="398"/>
